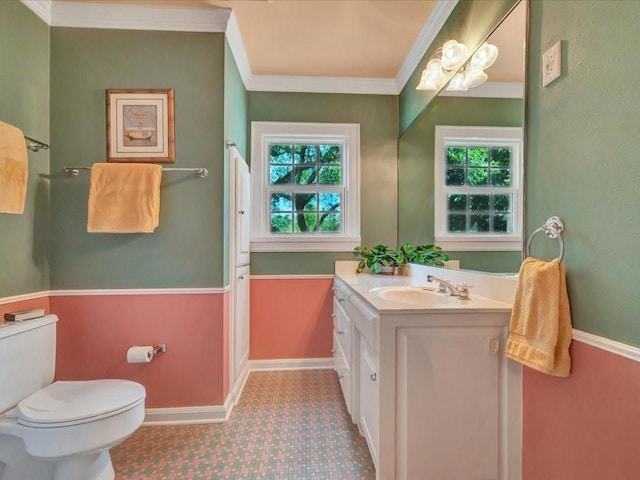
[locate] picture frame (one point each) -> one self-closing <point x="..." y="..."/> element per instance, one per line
<point x="140" y="125"/>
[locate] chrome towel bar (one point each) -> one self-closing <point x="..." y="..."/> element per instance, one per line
<point x="553" y="228"/>
<point x="200" y="171"/>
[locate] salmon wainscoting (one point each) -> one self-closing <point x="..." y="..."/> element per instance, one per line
<point x="95" y="330"/>
<point x="291" y="319"/>
<point x="586" y="426"/>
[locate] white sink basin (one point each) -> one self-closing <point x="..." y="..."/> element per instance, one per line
<point x="418" y="296"/>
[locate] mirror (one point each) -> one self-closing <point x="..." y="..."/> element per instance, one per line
<point x="501" y="104"/>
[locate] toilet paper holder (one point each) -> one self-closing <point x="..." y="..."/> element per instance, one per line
<point x="161" y="348"/>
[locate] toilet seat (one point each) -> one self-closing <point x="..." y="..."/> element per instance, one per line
<point x="63" y="404"/>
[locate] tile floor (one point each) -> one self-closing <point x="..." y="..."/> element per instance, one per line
<point x="287" y="425"/>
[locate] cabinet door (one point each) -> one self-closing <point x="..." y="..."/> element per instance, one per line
<point x="241" y="320"/>
<point x="369" y="399"/>
<point x="242" y="213"/>
<point x="447" y="398"/>
<point x="343" y="369"/>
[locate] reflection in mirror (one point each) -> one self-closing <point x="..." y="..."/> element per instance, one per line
<point x="497" y="103"/>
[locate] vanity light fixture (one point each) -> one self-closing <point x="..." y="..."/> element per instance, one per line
<point x="451" y="57"/>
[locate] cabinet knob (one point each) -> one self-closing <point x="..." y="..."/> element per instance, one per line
<point x="374" y="376"/>
<point x="340" y="332"/>
<point x="241" y="212"/>
<point x="341" y="376"/>
<point x="241" y="277"/>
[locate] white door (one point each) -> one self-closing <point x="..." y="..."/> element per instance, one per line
<point x="239" y="321"/>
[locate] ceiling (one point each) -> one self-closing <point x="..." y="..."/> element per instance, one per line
<point x="340" y="38"/>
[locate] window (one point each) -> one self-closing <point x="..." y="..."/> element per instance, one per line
<point x="305" y="185"/>
<point x="478" y="188"/>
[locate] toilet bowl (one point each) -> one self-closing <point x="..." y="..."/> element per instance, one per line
<point x="64" y="430"/>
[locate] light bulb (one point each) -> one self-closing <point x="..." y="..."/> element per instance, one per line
<point x="453" y="55"/>
<point x="484" y="57"/>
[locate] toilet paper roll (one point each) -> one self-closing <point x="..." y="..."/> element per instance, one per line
<point x="140" y="354"/>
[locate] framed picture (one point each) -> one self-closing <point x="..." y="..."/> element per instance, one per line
<point x="140" y="125"/>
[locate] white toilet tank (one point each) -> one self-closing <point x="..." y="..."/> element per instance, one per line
<point x="27" y="358"/>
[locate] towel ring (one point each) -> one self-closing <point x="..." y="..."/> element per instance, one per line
<point x="553" y="228"/>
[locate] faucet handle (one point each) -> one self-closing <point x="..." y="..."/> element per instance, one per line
<point x="463" y="288"/>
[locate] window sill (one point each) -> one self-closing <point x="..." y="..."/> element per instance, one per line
<point x="307" y="244"/>
<point x="476" y="244"/>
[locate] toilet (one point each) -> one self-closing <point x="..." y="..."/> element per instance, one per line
<point x="57" y="430"/>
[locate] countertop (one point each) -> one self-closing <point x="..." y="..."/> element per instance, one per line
<point x="368" y="288"/>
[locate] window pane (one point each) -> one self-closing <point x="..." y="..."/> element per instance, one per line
<point x="281" y="222"/>
<point x="330" y="222"/>
<point x="502" y="203"/>
<point x="280" y="154"/>
<point x="304" y="175"/>
<point x="478" y="176"/>
<point x="457" y="223"/>
<point x="331" y="154"/>
<point x="479" y="203"/>
<point x="454" y="176"/>
<point x="456" y="156"/>
<point x="330" y="175"/>
<point x="305" y="201"/>
<point x="502" y="223"/>
<point x="306" y="153"/>
<point x="479" y="223"/>
<point x="281" y="202"/>
<point x="478" y="156"/>
<point x="457" y="202"/>
<point x="279" y="175"/>
<point x="330" y="201"/>
<point x="500" y="178"/>
<point x="305" y="222"/>
<point x="501" y="157"/>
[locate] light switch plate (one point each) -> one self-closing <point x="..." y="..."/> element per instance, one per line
<point x="551" y="64"/>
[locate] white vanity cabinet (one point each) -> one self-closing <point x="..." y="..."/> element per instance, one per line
<point x="427" y="388"/>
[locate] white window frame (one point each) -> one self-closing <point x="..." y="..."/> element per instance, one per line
<point x="263" y="134"/>
<point x="446" y="136"/>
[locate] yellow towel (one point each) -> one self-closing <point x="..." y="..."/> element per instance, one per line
<point x="124" y="198"/>
<point x="540" y="328"/>
<point x="14" y="169"/>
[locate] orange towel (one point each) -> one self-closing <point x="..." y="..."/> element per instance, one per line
<point x="14" y="169"/>
<point x="124" y="198"/>
<point x="540" y="329"/>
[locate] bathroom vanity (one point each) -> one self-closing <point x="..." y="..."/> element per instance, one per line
<point x="424" y="374"/>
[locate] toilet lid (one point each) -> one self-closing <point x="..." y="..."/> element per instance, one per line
<point x="74" y="402"/>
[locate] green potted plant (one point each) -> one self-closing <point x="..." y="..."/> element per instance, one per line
<point x="383" y="259"/>
<point x="424" y="254"/>
<point x="378" y="259"/>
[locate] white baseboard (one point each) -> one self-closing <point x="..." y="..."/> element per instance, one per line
<point x="221" y="413"/>
<point x="187" y="415"/>
<point x="291" y="364"/>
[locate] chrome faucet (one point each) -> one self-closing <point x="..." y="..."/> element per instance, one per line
<point x="461" y="291"/>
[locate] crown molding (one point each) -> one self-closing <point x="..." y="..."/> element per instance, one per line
<point x="136" y="17"/>
<point x="237" y="49"/>
<point x="42" y="8"/>
<point x="434" y="23"/>
<point x="281" y="83"/>
<point x="489" y="90"/>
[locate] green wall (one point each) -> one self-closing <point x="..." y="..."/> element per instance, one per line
<point x="24" y="102"/>
<point x="186" y="250"/>
<point x="378" y="119"/>
<point x="471" y="22"/>
<point x="416" y="164"/>
<point x="582" y="157"/>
